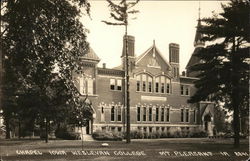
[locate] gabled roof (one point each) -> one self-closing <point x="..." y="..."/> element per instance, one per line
<point x="194" y="59"/>
<point x="91" y="55"/>
<point x="154" y="49"/>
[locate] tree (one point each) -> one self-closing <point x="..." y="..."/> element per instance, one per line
<point x="119" y="12"/>
<point x="225" y="60"/>
<point x="42" y="43"/>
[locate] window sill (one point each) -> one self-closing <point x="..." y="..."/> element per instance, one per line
<point x="152" y="92"/>
<point x="114" y="90"/>
<point x="90" y="95"/>
<point x="185" y="95"/>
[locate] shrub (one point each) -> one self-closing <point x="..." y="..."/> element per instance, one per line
<point x="63" y="133"/>
<point x="199" y="134"/>
<point x="113" y="136"/>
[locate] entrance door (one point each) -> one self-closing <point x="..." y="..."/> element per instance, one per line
<point x="208" y="125"/>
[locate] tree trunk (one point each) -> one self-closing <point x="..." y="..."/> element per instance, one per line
<point x="46" y="130"/>
<point x="235" y="97"/>
<point x="7" y="128"/>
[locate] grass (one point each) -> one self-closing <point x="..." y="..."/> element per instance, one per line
<point x="152" y="149"/>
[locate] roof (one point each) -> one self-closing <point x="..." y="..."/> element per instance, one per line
<point x="91" y="55"/>
<point x="153" y="48"/>
<point x="194" y="59"/>
<point x="198" y="35"/>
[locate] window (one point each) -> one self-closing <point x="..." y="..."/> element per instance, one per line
<point x="168" y="88"/>
<point x="102" y="114"/>
<point x="150" y="114"/>
<point x="182" y="89"/>
<point x="112" y="84"/>
<point x="157" y="114"/>
<point x="144" y="86"/>
<point x="144" y="113"/>
<point x="167" y="85"/>
<point x="185" y="90"/>
<point x="163" y="78"/>
<point x="150" y="80"/>
<point x="119" y="129"/>
<point x="182" y="115"/>
<point x="90" y="86"/>
<point x="162" y="88"/>
<point x="187" y="115"/>
<point x="162" y="114"/>
<point x="150" y="129"/>
<point x="138" y="113"/>
<point x="113" y="129"/>
<point x="157" y="85"/>
<point x="119" y="85"/>
<point x="86" y="85"/>
<point x="113" y="113"/>
<point x="119" y="113"/>
<point x="138" y="81"/>
<point x="167" y="114"/>
<point x="144" y="83"/>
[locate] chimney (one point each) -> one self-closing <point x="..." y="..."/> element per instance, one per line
<point x="131" y="46"/>
<point x="174" y="53"/>
<point x="104" y="65"/>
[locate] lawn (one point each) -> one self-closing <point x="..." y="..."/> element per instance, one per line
<point x="177" y="149"/>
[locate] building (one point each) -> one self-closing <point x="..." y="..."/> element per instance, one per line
<point x="158" y="93"/>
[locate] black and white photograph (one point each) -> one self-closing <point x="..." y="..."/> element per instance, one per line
<point x="117" y="80"/>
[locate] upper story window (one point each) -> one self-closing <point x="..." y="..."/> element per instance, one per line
<point x="112" y="84"/>
<point x="85" y="84"/>
<point x="138" y="83"/>
<point x="144" y="83"/>
<point x="119" y="84"/>
<point x="157" y="84"/>
<point x="161" y="84"/>
<point x="150" y="84"/>
<point x="115" y="84"/>
<point x="185" y="90"/>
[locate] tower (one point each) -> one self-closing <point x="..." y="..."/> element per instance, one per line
<point x="131" y="52"/>
<point x="174" y="59"/>
<point x="198" y="45"/>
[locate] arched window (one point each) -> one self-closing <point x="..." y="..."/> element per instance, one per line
<point x="113" y="113"/>
<point x="150" y="80"/>
<point x="144" y="83"/>
<point x="119" y="113"/>
<point x="138" y="83"/>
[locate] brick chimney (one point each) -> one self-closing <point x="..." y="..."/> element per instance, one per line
<point x="131" y="46"/>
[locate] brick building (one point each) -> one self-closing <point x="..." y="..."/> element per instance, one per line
<point x="158" y="93"/>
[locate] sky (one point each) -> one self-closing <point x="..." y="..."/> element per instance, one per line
<point x="163" y="21"/>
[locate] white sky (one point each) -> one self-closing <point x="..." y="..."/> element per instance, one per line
<point x="163" y="21"/>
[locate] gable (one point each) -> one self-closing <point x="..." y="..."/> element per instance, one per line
<point x="152" y="58"/>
